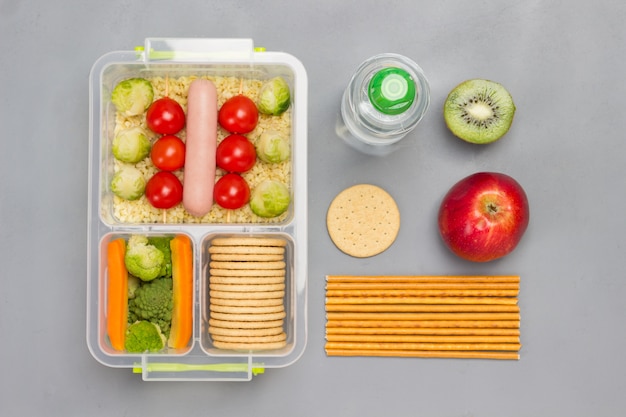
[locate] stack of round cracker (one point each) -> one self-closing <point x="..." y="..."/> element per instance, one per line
<point x="246" y="293"/>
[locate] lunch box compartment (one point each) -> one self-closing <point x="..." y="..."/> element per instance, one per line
<point x="103" y="340"/>
<point x="113" y="73"/>
<point x="289" y="300"/>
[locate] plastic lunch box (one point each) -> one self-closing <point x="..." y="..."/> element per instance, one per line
<point x="200" y="361"/>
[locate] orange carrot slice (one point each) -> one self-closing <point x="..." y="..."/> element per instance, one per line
<point x="182" y="280"/>
<point x="117" y="294"/>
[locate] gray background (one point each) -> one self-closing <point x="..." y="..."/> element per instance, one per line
<point x="564" y="63"/>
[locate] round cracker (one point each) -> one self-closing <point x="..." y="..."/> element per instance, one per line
<point x="246" y="309"/>
<point x="247" y="272"/>
<point x="248" y="241"/>
<point x="249" y="346"/>
<point x="280" y="337"/>
<point x="248" y="257"/>
<point x="363" y="220"/>
<point x="247" y="265"/>
<point x="223" y="331"/>
<point x="216" y="279"/>
<point x="245" y="250"/>
<point x="247" y="302"/>
<point x="247" y="287"/>
<point x="247" y="295"/>
<point x="229" y="324"/>
<point x="257" y="317"/>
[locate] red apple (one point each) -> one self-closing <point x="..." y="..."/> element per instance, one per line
<point x="484" y="216"/>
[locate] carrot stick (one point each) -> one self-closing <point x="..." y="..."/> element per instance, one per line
<point x="117" y="293"/>
<point x="182" y="288"/>
<point x="421" y="316"/>
<point x="425" y="308"/>
<point x="422" y="278"/>
<point x="450" y="331"/>
<point x="425" y="354"/>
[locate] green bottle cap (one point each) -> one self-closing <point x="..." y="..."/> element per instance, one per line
<point x="391" y="90"/>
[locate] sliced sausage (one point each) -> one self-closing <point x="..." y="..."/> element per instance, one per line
<point x="201" y="144"/>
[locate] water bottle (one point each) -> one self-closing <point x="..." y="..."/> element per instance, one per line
<point x="385" y="99"/>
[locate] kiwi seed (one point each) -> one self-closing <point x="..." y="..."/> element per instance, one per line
<point x="479" y="111"/>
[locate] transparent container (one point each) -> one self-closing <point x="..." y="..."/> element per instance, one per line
<point x="165" y="58"/>
<point x="385" y="99"/>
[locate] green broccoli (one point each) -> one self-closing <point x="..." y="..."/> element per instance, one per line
<point x="153" y="301"/>
<point x="163" y="244"/>
<point x="142" y="259"/>
<point x="144" y="336"/>
<point x="133" y="284"/>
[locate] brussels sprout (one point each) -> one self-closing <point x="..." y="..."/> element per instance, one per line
<point x="270" y="199"/>
<point x="128" y="183"/>
<point x="133" y="96"/>
<point x="131" y="145"/>
<point x="274" y="97"/>
<point x="272" y="147"/>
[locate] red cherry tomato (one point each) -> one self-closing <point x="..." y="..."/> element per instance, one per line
<point x="231" y="191"/>
<point x="238" y="114"/>
<point x="168" y="153"/>
<point x="164" y="190"/>
<point x="235" y="154"/>
<point x="165" y="116"/>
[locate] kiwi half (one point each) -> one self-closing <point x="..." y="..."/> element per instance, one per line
<point x="479" y="111"/>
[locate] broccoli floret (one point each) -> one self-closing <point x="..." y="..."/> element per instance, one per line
<point x="144" y="336"/>
<point x="133" y="284"/>
<point x="163" y="244"/>
<point x="142" y="259"/>
<point x="153" y="301"/>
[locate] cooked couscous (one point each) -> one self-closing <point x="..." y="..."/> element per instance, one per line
<point x="140" y="211"/>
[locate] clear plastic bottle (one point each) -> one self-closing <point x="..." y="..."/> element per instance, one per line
<point x="385" y="99"/>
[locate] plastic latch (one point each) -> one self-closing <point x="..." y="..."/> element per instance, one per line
<point x="392" y="90"/>
<point x="197" y="49"/>
<point x="257" y="369"/>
